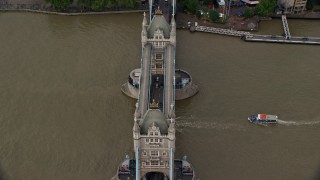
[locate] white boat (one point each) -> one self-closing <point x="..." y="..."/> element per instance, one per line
<point x="263" y="118"/>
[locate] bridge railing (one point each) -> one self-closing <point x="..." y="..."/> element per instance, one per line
<point x="174" y="79"/>
<point x="164" y="80"/>
<point x="140" y="78"/>
<point x="149" y="83"/>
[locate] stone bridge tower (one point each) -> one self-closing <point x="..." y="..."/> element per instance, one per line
<point x="154" y="126"/>
<point x="155" y="85"/>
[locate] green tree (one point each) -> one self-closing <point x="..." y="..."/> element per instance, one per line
<point x="265" y="7"/>
<point x="98" y="5"/>
<point x="84" y="4"/>
<point x="198" y="14"/>
<point x="213" y="15"/>
<point x="191" y="5"/>
<point x="111" y="4"/>
<point x="132" y="4"/>
<point x="247" y="13"/>
<point x="60" y="4"/>
<point x="310" y="5"/>
<point x="121" y="3"/>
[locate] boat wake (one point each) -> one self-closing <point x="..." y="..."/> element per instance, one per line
<point x="295" y="123"/>
<point x="206" y="125"/>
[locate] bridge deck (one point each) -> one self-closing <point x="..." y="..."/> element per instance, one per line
<point x="156" y="91"/>
<point x="144" y="84"/>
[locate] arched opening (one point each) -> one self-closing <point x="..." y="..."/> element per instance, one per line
<point x="155" y="176"/>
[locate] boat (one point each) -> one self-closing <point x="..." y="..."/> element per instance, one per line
<point x="263" y="119"/>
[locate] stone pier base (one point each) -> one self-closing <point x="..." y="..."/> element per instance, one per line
<point x="181" y="94"/>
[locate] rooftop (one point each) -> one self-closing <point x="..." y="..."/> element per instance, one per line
<point x="154" y="116"/>
<point x="159" y="22"/>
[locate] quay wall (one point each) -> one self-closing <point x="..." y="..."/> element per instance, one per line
<point x="70" y="13"/>
<point x="308" y="16"/>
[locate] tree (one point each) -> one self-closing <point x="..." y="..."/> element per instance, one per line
<point x="265" y="7"/>
<point x="131" y="4"/>
<point x="191" y="6"/>
<point x="60" y="4"/>
<point x="213" y="15"/>
<point x="97" y="5"/>
<point x="247" y="13"/>
<point x="310" y="5"/>
<point x="198" y="14"/>
<point x="84" y="4"/>
<point x="111" y="4"/>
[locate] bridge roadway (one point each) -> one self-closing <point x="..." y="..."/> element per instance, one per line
<point x="145" y="81"/>
<point x="169" y="80"/>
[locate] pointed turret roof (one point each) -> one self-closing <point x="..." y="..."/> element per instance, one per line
<point x="159" y="22"/>
<point x="154" y="117"/>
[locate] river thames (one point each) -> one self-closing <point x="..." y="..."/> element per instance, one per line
<point x="63" y="116"/>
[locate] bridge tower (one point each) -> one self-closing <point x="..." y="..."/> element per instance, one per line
<point x="154" y="125"/>
<point x="154" y="117"/>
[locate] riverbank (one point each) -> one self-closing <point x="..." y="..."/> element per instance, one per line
<point x="307" y="15"/>
<point x="71" y="13"/>
<point x="234" y="22"/>
<point x="40" y="6"/>
<point x="239" y="23"/>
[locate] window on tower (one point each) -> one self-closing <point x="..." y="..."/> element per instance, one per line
<point x="159" y="56"/>
<point x="154" y="163"/>
<point x="154" y="153"/>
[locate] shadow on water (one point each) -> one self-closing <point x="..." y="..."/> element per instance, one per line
<point x="3" y="175"/>
<point x="317" y="174"/>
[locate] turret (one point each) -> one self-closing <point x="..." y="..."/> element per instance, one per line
<point x="144" y="22"/>
<point x="171" y="135"/>
<point x="144" y="30"/>
<point x="171" y="131"/>
<point x="137" y="114"/>
<point x="171" y="113"/>
<point x="173" y="31"/>
<point x="136" y="133"/>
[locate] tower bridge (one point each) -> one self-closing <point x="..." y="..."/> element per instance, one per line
<point x="156" y="86"/>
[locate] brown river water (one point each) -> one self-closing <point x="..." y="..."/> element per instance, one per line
<point x="63" y="116"/>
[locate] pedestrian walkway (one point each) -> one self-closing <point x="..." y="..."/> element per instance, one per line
<point x="228" y="32"/>
<point x="285" y="27"/>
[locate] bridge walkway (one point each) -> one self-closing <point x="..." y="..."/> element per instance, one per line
<point x="285" y="27"/>
<point x="145" y="81"/>
<point x="214" y="30"/>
